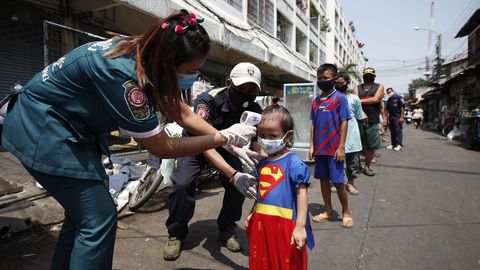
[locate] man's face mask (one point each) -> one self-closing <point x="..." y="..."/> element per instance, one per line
<point x="239" y="99"/>
<point x="368" y="79"/>
<point x="185" y="81"/>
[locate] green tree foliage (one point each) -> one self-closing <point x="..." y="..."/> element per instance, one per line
<point x="416" y="83"/>
<point x="350" y="69"/>
<point x="313" y="11"/>
<point x="325" y="24"/>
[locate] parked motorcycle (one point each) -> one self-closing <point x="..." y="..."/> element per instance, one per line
<point x="408" y="117"/>
<point x="158" y="172"/>
<point x="408" y="120"/>
<point x="154" y="176"/>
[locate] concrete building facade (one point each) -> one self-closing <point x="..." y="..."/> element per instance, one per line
<point x="286" y="39"/>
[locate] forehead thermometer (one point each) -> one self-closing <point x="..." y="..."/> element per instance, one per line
<point x="250" y="118"/>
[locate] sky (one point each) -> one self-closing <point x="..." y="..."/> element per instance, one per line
<point x="393" y="47"/>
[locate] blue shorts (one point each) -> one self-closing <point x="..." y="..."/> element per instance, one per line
<point x="326" y="168"/>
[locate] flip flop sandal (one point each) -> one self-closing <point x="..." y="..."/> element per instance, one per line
<point x="322" y="217"/>
<point x="347" y="222"/>
<point x="352" y="190"/>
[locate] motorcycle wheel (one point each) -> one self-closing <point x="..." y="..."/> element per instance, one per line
<point x="145" y="189"/>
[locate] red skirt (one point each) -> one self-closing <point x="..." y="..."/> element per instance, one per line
<point x="269" y="244"/>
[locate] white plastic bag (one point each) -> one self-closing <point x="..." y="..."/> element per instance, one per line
<point x="166" y="168"/>
<point x="168" y="165"/>
<point x="454" y="134"/>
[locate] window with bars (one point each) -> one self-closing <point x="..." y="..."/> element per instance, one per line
<point x="301" y="43"/>
<point x="323" y="57"/>
<point x="282" y="28"/>
<point x="260" y="12"/>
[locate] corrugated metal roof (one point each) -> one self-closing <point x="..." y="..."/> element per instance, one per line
<point x="472" y="23"/>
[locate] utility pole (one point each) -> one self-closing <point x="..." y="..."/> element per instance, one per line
<point x="438" y="59"/>
<point x="438" y="51"/>
<point x="427" y="60"/>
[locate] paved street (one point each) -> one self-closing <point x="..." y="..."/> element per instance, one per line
<point x="421" y="211"/>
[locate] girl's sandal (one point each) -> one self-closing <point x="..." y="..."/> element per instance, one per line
<point x="352" y="189"/>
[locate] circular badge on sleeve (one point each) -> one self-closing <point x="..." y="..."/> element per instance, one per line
<point x="136" y="97"/>
<point x="136" y="100"/>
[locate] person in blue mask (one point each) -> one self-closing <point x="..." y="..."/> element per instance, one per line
<point x="56" y="126"/>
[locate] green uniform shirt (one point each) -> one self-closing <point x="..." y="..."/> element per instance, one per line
<point x="58" y="121"/>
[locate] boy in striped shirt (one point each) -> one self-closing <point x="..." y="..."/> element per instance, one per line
<point x="329" y="116"/>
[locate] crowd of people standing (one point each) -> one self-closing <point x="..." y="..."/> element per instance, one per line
<point x="55" y="129"/>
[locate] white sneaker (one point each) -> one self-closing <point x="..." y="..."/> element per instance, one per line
<point x="397" y="148"/>
<point x="390" y="147"/>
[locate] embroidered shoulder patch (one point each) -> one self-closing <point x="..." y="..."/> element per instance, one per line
<point x="202" y="111"/>
<point x="136" y="100"/>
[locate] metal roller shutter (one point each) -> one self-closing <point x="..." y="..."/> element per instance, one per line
<point x="21" y="53"/>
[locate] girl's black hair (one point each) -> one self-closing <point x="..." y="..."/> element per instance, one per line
<point x="277" y="112"/>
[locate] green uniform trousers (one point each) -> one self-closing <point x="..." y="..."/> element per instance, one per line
<point x="87" y="238"/>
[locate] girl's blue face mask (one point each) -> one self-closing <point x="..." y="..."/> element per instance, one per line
<point x="186" y="81"/>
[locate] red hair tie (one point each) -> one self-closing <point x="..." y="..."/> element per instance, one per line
<point x="189" y="19"/>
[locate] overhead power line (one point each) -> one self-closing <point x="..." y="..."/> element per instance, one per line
<point x="462" y="18"/>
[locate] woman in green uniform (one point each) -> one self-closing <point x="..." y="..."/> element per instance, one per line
<point x="57" y="124"/>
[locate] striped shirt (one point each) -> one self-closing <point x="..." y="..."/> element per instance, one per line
<point x="327" y="114"/>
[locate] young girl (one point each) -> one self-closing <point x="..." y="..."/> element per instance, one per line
<point x="278" y="225"/>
